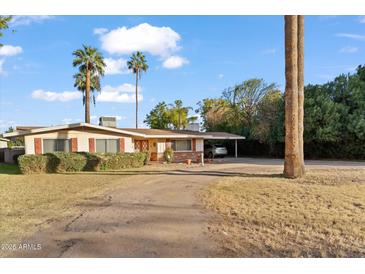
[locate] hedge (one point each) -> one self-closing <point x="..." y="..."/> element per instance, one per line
<point x="82" y="161"/>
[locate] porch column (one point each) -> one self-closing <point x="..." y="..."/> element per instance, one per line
<point x="235" y="148"/>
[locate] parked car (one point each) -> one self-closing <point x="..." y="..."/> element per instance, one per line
<point x="213" y="151"/>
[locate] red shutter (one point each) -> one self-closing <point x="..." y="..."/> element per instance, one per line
<point x="38" y="146"/>
<point x="194" y="144"/>
<point x="73" y="144"/>
<point x="121" y="145"/>
<point x="91" y="145"/>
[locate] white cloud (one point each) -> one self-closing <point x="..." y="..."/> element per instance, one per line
<point x="8" y="50"/>
<point x="51" y="96"/>
<point x="20" y="20"/>
<point x="349" y="50"/>
<point x="268" y="51"/>
<point x="2" y="72"/>
<point x="116" y="66"/>
<point x="158" y="41"/>
<point x="352" y="36"/>
<point x="362" y="19"/>
<point x="99" y="31"/>
<point x="220" y="76"/>
<point x="174" y="62"/>
<point x="120" y="94"/>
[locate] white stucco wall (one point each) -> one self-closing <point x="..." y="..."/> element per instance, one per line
<point x="82" y="139"/>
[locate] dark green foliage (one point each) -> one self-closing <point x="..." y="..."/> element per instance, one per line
<point x="334" y="118"/>
<point x="75" y="162"/>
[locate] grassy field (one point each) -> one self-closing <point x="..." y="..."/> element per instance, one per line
<point x="320" y="215"/>
<point x="9" y="169"/>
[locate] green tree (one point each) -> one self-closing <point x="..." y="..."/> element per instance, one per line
<point x="4" y="24"/>
<point x="159" y="117"/>
<point x="179" y="115"/>
<point x="91" y="64"/>
<point x="243" y="100"/>
<point x="138" y="64"/>
<point x="213" y="112"/>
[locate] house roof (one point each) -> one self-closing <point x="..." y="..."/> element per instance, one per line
<point x="140" y="132"/>
<point x="4" y="140"/>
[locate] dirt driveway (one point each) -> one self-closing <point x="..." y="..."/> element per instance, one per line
<point x="154" y="214"/>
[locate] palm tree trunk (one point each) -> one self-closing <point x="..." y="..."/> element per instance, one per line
<point x="291" y="164"/>
<point x="301" y="90"/>
<point x="87" y="97"/>
<point x="137" y="99"/>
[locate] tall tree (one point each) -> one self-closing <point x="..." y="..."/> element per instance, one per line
<point x="91" y="64"/>
<point x="80" y="84"/>
<point x="292" y="165"/>
<point x="301" y="91"/>
<point x="137" y="63"/>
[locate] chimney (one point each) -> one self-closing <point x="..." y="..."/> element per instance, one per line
<point x="108" y="121"/>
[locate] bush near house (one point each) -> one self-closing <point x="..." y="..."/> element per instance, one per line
<point x="75" y="162"/>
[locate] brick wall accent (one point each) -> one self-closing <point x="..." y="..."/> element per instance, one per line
<point x="74" y="147"/>
<point x="91" y="145"/>
<point x="121" y="145"/>
<point x="183" y="156"/>
<point x="38" y="146"/>
<point x="194" y="144"/>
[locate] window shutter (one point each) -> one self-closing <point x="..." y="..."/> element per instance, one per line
<point x="73" y="144"/>
<point x="121" y="145"/>
<point x="38" y="146"/>
<point x="91" y="145"/>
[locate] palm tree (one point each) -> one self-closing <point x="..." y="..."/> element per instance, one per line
<point x="137" y="63"/>
<point x="91" y="64"/>
<point x="292" y="167"/>
<point x="80" y="84"/>
<point x="301" y="90"/>
<point x="179" y="115"/>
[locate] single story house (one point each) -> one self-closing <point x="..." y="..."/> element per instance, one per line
<point x="84" y="137"/>
<point x="3" y="142"/>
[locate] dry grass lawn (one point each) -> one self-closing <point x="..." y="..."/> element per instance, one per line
<point x="320" y="215"/>
<point x="31" y="202"/>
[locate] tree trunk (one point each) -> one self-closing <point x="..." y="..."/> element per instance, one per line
<point x="301" y="90"/>
<point x="137" y="99"/>
<point x="292" y="168"/>
<point x="87" y="97"/>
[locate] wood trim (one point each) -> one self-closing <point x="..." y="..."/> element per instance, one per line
<point x="38" y="146"/>
<point x="92" y="145"/>
<point x="194" y="145"/>
<point x="74" y="146"/>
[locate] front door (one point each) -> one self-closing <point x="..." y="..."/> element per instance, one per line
<point x="141" y="145"/>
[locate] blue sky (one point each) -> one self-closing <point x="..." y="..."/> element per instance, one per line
<point x="190" y="58"/>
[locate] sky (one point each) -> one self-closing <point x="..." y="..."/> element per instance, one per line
<point x="189" y="57"/>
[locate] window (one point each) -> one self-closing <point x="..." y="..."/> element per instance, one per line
<point x="181" y="145"/>
<point x="107" y="145"/>
<point x="52" y="145"/>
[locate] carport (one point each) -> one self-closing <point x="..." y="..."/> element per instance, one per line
<point x="224" y="136"/>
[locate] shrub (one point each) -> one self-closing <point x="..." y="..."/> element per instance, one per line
<point x="115" y="161"/>
<point x="83" y="161"/>
<point x="169" y="155"/>
<point x="32" y="164"/>
<point x="66" y="162"/>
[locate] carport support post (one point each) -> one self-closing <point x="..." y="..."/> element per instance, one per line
<point x="235" y="148"/>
